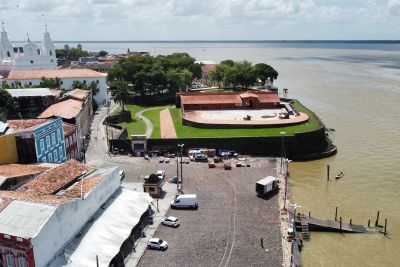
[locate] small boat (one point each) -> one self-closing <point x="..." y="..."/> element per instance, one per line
<point x="339" y="175"/>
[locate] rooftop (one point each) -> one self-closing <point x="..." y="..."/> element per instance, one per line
<point x="227" y="98"/>
<point x="68" y="128"/>
<point x="14" y="170"/>
<point x="66" y="109"/>
<point x="28" y="92"/>
<point x="52" y="74"/>
<point x="57" y="178"/>
<point x="80" y="94"/>
<point x="26" y="124"/>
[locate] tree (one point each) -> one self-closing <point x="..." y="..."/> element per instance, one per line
<point x="264" y="71"/>
<point x="102" y="53"/>
<point x="9" y="108"/>
<point x="120" y="92"/>
<point x="50" y="83"/>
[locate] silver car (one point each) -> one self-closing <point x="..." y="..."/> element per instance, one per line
<point x="156" y="243"/>
<point x="171" y="221"/>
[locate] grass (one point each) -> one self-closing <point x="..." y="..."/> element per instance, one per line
<point x="135" y="126"/>
<point x="187" y="131"/>
<point x="154" y="116"/>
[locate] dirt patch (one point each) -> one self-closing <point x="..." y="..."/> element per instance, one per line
<point x="167" y="127"/>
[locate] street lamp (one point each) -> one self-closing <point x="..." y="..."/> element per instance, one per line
<point x="181" y="180"/>
<point x="283" y="152"/>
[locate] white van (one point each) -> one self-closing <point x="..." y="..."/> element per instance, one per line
<point x="185" y="201"/>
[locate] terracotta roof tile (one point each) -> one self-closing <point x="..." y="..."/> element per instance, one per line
<point x="80" y="94"/>
<point x="15" y="170"/>
<point x="57" y="178"/>
<point x="26" y="124"/>
<point x="227" y="98"/>
<point x="33" y="197"/>
<point x="87" y="186"/>
<point x="66" y="109"/>
<point x="68" y="128"/>
<point x="52" y="74"/>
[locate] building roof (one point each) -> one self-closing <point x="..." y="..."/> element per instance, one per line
<point x="52" y="74"/>
<point x="68" y="128"/>
<point x="227" y="98"/>
<point x="66" y="109"/>
<point x="15" y="170"/>
<point x="80" y="94"/>
<point x="28" y="92"/>
<point x="207" y="68"/>
<point x="26" y="124"/>
<point x="3" y="127"/>
<point x="107" y="232"/>
<point x="57" y="178"/>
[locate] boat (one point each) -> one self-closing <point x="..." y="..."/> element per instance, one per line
<point x="339" y="175"/>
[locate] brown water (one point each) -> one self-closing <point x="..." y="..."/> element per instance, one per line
<point x="356" y="92"/>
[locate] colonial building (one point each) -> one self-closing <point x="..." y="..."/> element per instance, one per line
<point x="29" y="56"/>
<point x="67" y="77"/>
<point x="71" y="144"/>
<point x="38" y="140"/>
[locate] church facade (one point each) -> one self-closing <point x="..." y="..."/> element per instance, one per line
<point x="30" y="56"/>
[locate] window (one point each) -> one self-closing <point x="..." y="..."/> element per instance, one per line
<point x="51" y="53"/>
<point x="48" y="142"/>
<point x="50" y="157"/>
<point x="59" y="135"/>
<point x="55" y="156"/>
<point x="66" y="142"/>
<point x="60" y="152"/>
<point x="41" y="146"/>
<point x="31" y="61"/>
<point x="53" y="138"/>
<point x="70" y="140"/>
<point x="22" y="261"/>
<point x="8" y="54"/>
<point x="10" y="261"/>
<point x="44" y="159"/>
<point x="30" y="83"/>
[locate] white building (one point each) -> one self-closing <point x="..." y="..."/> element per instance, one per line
<point x="67" y="76"/>
<point x="29" y="56"/>
<point x="41" y="220"/>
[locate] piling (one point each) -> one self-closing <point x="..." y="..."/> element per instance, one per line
<point x="351" y="221"/>
<point x="369" y="223"/>
<point x="384" y="229"/>
<point x="336" y="213"/>
<point x="309" y="214"/>
<point x="340" y="223"/>
<point x="377" y="219"/>
<point x="327" y="171"/>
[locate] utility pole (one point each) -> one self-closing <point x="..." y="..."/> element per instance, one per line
<point x="181" y="180"/>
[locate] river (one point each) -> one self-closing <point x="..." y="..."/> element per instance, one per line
<point x="355" y="89"/>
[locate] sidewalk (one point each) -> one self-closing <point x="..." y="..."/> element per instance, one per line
<point x="163" y="207"/>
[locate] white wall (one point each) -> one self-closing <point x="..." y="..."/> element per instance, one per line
<point x="100" y="97"/>
<point x="70" y="218"/>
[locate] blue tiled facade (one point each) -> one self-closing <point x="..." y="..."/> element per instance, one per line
<point x="49" y="142"/>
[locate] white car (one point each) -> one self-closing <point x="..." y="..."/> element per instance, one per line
<point x="166" y="160"/>
<point x="156" y="243"/>
<point x="171" y="221"/>
<point x="161" y="174"/>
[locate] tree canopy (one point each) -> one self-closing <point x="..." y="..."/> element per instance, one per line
<point x="9" y="108"/>
<point x="72" y="54"/>
<point x="163" y="74"/>
<point x="120" y="91"/>
<point x="242" y="73"/>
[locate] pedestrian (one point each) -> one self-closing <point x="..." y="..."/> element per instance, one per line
<point x="262" y="242"/>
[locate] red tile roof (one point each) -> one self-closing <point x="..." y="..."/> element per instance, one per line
<point x="227" y="98"/>
<point x="26" y="124"/>
<point x="207" y="68"/>
<point x="52" y="74"/>
<point x="80" y="188"/>
<point x="68" y="128"/>
<point x="57" y="178"/>
<point x="15" y="170"/>
<point x="80" y="94"/>
<point x="66" y="109"/>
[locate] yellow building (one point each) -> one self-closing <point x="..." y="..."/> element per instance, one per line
<point x="8" y="149"/>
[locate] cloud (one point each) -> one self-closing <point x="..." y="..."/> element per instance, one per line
<point x="394" y="7"/>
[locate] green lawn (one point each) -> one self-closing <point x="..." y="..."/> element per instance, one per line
<point x="187" y="131"/>
<point x="154" y="116"/>
<point x="135" y="126"/>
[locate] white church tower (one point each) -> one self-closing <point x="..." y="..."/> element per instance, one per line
<point x="6" y="49"/>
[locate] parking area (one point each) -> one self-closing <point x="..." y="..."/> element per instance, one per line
<point x="229" y="224"/>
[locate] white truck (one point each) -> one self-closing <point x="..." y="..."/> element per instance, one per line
<point x="267" y="185"/>
<point x="185" y="201"/>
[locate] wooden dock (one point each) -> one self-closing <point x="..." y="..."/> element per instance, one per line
<point x="315" y="224"/>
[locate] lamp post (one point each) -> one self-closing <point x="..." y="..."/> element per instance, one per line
<point x="177" y="170"/>
<point x="181" y="180"/>
<point x="283" y="152"/>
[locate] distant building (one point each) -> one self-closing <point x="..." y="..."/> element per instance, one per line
<point x="88" y="60"/>
<point x="33" y="101"/>
<point x="38" y="140"/>
<point x="29" y="56"/>
<point x="67" y="76"/>
<point x="76" y="109"/>
<point x="68" y="216"/>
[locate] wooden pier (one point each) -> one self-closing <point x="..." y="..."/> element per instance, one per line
<point x="315" y="224"/>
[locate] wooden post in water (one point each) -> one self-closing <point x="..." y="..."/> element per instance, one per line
<point x="384" y="230"/>
<point x="336" y="213"/>
<point x="327" y="171"/>
<point x="369" y="223"/>
<point x="377" y="219"/>
<point x="340" y="223"/>
<point x="351" y="221"/>
<point x="309" y="214"/>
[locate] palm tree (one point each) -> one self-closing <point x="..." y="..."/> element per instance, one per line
<point x="120" y="92"/>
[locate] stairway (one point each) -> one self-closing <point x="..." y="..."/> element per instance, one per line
<point x="305" y="231"/>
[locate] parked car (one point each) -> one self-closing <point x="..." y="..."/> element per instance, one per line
<point x="156" y="243"/>
<point x="201" y="158"/>
<point x="227" y="166"/>
<point x="161" y="159"/>
<point x="185" y="201"/>
<point x="166" y="160"/>
<point x="240" y="164"/>
<point x="171" y="221"/>
<point x="161" y="174"/>
<point x="174" y="179"/>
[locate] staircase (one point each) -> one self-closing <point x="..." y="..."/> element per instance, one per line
<point x="305" y="231"/>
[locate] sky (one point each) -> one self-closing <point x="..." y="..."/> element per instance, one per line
<point x="202" y="19"/>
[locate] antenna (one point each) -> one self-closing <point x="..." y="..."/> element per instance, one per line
<point x="2" y="25"/>
<point x="27" y="34"/>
